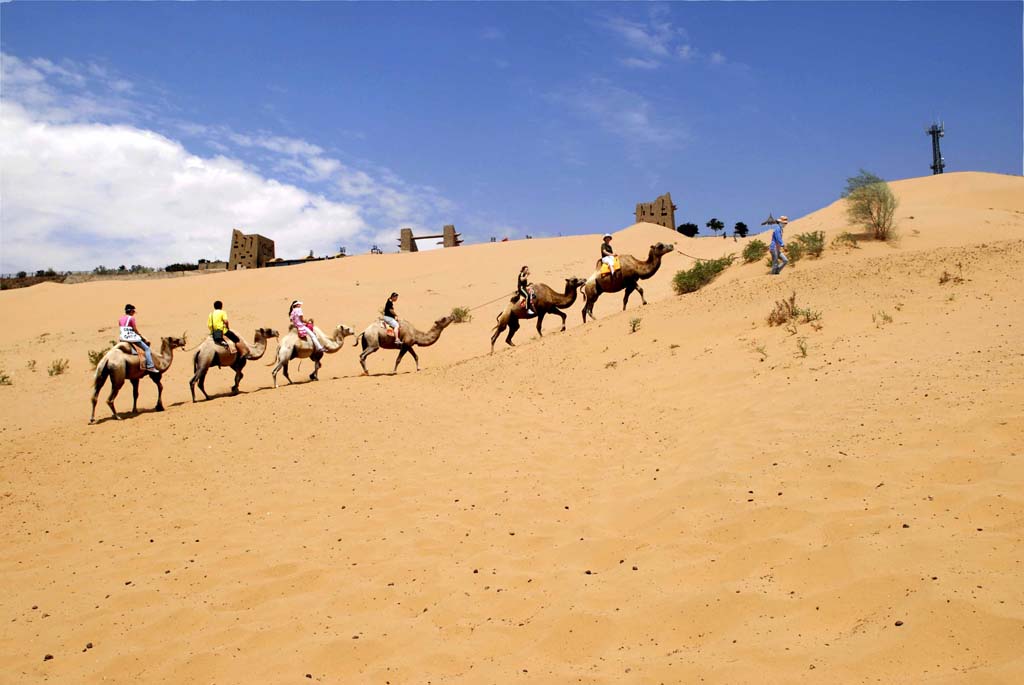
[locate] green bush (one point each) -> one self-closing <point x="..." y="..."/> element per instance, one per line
<point x="813" y="243"/>
<point x="460" y="315"/>
<point x="870" y="203"/>
<point x="698" y="276"/>
<point x="755" y="250"/>
<point x="96" y="355"/>
<point x="58" y="366"/>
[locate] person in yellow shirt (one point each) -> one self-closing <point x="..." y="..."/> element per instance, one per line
<point x="220" y="329"/>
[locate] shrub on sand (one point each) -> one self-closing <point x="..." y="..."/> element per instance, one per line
<point x="700" y="274"/>
<point x="755" y="250"/>
<point x="461" y="315"/>
<point x="58" y="366"/>
<point x="813" y="243"/>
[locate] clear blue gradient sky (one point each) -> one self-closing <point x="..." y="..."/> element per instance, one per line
<point x="326" y="124"/>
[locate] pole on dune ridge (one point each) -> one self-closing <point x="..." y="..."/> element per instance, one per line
<point x="937" y="131"/>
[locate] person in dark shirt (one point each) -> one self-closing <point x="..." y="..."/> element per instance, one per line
<point x="389" y="313"/>
<point x="522" y="286"/>
<point x="607" y="253"/>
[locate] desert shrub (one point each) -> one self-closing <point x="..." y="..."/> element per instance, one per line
<point x="845" y="239"/>
<point x="58" y="366"/>
<point x="813" y="243"/>
<point x="31" y="365"/>
<point x="634" y="324"/>
<point x="801" y="346"/>
<point x="755" y="250"/>
<point x="795" y="251"/>
<point x="871" y="203"/>
<point x="787" y="311"/>
<point x="461" y="315"/>
<point x="96" y="355"/>
<point x="5" y="379"/>
<point x="955" y="279"/>
<point x="700" y="274"/>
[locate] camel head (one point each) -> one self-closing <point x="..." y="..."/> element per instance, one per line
<point x="575" y="283"/>
<point x="342" y="330"/>
<point x="266" y="333"/>
<point x="443" y="322"/>
<point x="659" y="249"/>
<point x="174" y="342"/>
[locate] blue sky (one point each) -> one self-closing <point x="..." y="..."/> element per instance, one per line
<point x="143" y="132"/>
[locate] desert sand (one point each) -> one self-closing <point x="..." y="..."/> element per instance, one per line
<point x="695" y="501"/>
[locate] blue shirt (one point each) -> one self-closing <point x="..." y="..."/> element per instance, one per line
<point x="777" y="236"/>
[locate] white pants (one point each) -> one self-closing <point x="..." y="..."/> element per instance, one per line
<point x="312" y="337"/>
<point x="610" y="261"/>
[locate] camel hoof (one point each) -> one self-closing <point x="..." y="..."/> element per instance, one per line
<point x="313" y="377"/>
<point x="159" y="407"/>
<point x="92" y="421"/>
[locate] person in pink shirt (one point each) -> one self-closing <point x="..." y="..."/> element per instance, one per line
<point x="129" y="333"/>
<point x="304" y="327"/>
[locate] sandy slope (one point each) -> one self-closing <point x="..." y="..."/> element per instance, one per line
<point x="693" y="501"/>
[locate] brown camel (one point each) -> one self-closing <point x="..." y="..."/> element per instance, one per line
<point x="627" y="278"/>
<point x="210" y="354"/>
<point x="376" y="337"/>
<point x="545" y="301"/>
<point x="291" y="346"/>
<point x="121" y="362"/>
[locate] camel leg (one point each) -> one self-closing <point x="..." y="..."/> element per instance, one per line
<point x="630" y="287"/>
<point x="588" y="308"/>
<point x="192" y="385"/>
<point x="366" y="353"/>
<point x="202" y="381"/>
<point x="277" y="367"/>
<point x="641" y="291"/>
<point x="316" y="366"/>
<point x="560" y="314"/>
<point x="115" y="387"/>
<point x="285" y="369"/>
<point x="158" y="379"/>
<point x="414" y="356"/>
<point x="135" y="394"/>
<point x="513" y="328"/>
<point x="238" y="375"/>
<point x="540" y="320"/>
<point x="401" y="353"/>
<point x="497" y="332"/>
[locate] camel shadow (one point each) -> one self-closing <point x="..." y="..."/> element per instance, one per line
<point x="225" y="394"/>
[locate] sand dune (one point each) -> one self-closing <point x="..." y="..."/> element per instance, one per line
<point x="697" y="500"/>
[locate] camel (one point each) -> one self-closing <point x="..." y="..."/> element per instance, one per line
<point x="375" y="337"/>
<point x="121" y="362"/>
<point x="291" y="346"/>
<point x="627" y="277"/>
<point x="210" y="354"/>
<point x="545" y="301"/>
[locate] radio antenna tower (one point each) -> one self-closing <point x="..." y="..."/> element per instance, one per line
<point x="937" y="131"/>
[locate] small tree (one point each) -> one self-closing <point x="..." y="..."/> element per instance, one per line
<point x="741" y="229"/>
<point x="870" y="203"/>
<point x="689" y="229"/>
<point x="715" y="225"/>
<point x="22" y="274"/>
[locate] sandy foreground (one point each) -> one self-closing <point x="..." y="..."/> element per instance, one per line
<point x="693" y="502"/>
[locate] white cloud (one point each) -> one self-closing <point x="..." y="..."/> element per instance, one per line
<point x="622" y="112"/>
<point x="654" y="37"/>
<point x="717" y="58"/>
<point x="84" y="183"/>
<point x="686" y="52"/>
<point x="639" y="63"/>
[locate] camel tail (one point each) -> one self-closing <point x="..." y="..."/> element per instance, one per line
<point x="102" y="373"/>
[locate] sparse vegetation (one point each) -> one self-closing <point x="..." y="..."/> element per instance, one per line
<point x="881" y="318"/>
<point x="177" y="266"/>
<point x="755" y="250"/>
<point x="847" y="240"/>
<point x="31" y="365"/>
<point x="611" y="365"/>
<point x="761" y="350"/>
<point x="871" y="203"/>
<point x="801" y="345"/>
<point x="634" y="324"/>
<point x="461" y="315"/>
<point x="700" y="274"/>
<point x="58" y="367"/>
<point x="786" y="312"/>
<point x="96" y="355"/>
<point x="955" y="279"/>
<point x="5" y="379"/>
<point x="813" y="243"/>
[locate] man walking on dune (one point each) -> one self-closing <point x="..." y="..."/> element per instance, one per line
<point x="779" y="260"/>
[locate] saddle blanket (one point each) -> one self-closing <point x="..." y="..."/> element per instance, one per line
<point x="606" y="270"/>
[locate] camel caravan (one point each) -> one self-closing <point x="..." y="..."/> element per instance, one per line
<point x="132" y="359"/>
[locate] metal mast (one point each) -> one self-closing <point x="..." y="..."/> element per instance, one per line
<point x="937" y="131"/>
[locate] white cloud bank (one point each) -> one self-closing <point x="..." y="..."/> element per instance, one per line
<point x="77" y="191"/>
